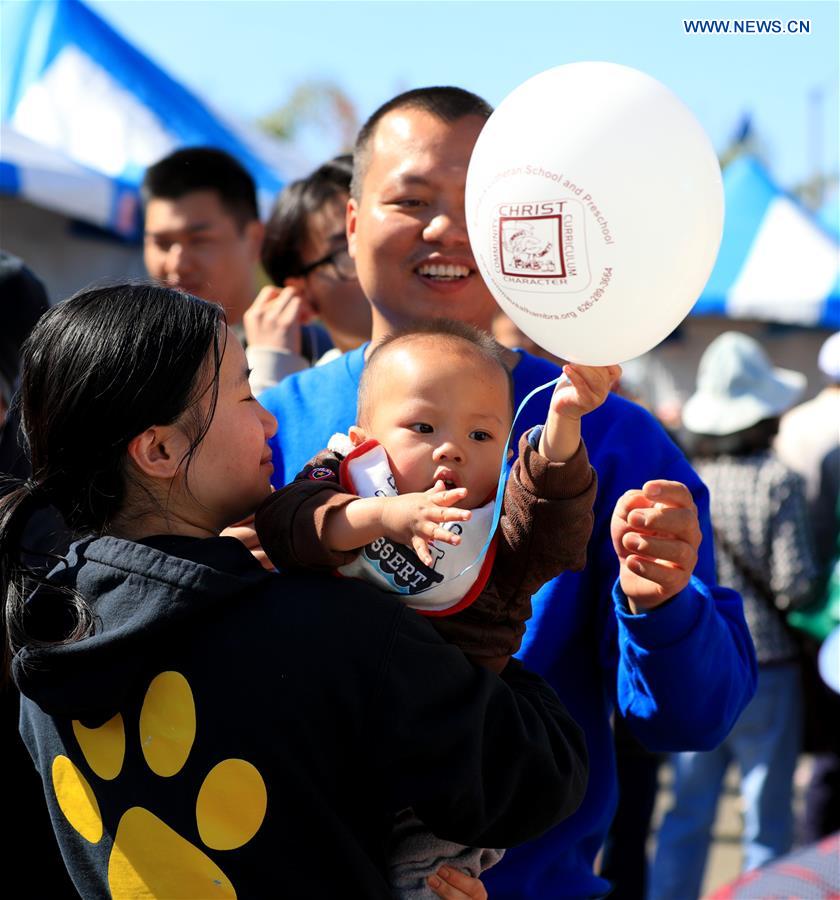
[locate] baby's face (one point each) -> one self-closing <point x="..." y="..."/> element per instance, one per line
<point x="441" y="413"/>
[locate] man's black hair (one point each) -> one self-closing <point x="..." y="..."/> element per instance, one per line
<point x="204" y="169"/>
<point x="449" y="104"/>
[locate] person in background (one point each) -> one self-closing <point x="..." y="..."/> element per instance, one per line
<point x="648" y="380"/>
<point x="202" y="234"/>
<point x="679" y="665"/>
<point x="23" y="300"/>
<point x="809" y="442"/>
<point x="305" y="254"/>
<point x="764" y="549"/>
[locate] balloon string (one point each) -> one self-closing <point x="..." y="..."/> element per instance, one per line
<point x="504" y="471"/>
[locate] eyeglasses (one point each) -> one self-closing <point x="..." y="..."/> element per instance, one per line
<point x="340" y="260"/>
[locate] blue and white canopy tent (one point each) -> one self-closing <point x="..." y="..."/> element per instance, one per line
<point x="777" y="262"/>
<point x="71" y="84"/>
<point x="83" y="114"/>
<point x="50" y="179"/>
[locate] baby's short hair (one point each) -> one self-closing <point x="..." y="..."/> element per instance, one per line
<point x="447" y="330"/>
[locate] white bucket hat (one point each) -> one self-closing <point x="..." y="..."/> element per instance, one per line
<point x="737" y="386"/>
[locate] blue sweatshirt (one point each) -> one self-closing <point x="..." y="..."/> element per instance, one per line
<point x="680" y="674"/>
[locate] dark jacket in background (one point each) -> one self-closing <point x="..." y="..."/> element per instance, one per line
<point x="23" y="300"/>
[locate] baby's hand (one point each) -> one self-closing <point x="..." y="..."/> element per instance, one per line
<point x="415" y="519"/>
<point x="586" y="389"/>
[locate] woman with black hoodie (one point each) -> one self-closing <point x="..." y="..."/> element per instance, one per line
<point x="203" y="727"/>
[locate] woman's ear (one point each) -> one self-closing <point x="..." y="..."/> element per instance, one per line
<point x="357" y="435"/>
<point x="158" y="451"/>
<point x="510" y="453"/>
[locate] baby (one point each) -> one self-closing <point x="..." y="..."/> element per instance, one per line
<point x="406" y="501"/>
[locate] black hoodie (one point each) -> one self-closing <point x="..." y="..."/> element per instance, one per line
<point x="232" y="732"/>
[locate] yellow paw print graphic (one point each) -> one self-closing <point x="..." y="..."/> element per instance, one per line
<point x="148" y="858"/>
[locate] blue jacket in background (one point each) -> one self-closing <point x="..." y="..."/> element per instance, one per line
<point x="680" y="675"/>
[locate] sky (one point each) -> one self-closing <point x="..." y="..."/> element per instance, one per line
<point x="246" y="57"/>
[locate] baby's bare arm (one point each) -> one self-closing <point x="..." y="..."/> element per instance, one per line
<point x="586" y="389"/>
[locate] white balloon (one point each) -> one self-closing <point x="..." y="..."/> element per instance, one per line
<point x="595" y="210"/>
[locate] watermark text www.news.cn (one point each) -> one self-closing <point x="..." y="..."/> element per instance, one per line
<point x="747" y="26"/>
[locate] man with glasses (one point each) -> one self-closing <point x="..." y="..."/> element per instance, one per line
<point x="341" y="261"/>
<point x="305" y="254"/>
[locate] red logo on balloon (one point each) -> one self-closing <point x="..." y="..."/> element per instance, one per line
<point x="532" y="246"/>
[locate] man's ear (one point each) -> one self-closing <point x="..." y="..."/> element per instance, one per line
<point x="351" y="220"/>
<point x="254" y="234"/>
<point x="357" y="435"/>
<point x="509" y="453"/>
<point x="158" y="451"/>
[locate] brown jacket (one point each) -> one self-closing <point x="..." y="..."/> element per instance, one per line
<point x="545" y="525"/>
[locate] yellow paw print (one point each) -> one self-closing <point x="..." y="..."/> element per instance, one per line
<point x="148" y="858"/>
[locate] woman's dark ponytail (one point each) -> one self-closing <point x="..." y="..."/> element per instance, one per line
<point x="19" y="501"/>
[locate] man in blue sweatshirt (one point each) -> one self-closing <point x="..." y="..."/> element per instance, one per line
<point x="678" y="666"/>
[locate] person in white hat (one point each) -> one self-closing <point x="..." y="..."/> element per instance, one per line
<point x="809" y="442"/>
<point x="764" y="550"/>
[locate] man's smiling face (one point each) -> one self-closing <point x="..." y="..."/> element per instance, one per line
<point x="408" y="230"/>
